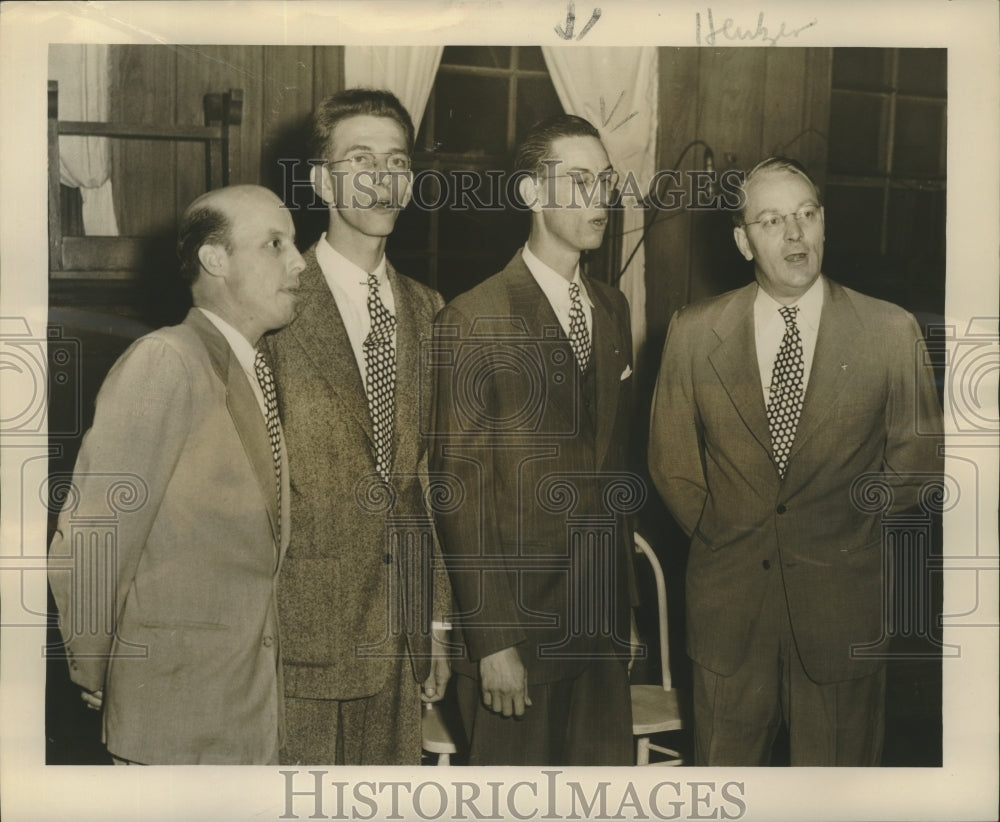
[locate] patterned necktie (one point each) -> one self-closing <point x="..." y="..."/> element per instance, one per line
<point x="266" y="381"/>
<point x="380" y="376"/>
<point x="786" y="392"/>
<point x="579" y="337"/>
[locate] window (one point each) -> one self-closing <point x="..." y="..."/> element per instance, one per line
<point x="885" y="193"/>
<point x="483" y="101"/>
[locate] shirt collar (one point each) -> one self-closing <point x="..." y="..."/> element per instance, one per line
<point x="336" y="265"/>
<point x="555" y="286"/>
<point x="245" y="353"/>
<point x="810" y="305"/>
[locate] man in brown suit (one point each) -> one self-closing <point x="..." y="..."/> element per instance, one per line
<point x="165" y="560"/>
<point x="355" y="596"/>
<point x="533" y="400"/>
<point x="773" y="403"/>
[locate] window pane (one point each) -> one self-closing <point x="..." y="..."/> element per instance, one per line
<point x="854" y="217"/>
<point x="855" y="133"/>
<point x="923" y="71"/>
<point x="536" y="99"/>
<point x="861" y="68"/>
<point x="530" y="57"/>
<point x="482" y="56"/>
<point x="916" y="229"/>
<point x="919" y="139"/>
<point x="470" y="114"/>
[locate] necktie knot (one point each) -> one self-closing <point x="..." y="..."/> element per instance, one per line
<point x="382" y="322"/>
<point x="788" y="314"/>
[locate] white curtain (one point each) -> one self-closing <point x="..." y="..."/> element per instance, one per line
<point x="406" y="71"/>
<point x="616" y="90"/>
<point x="82" y="72"/>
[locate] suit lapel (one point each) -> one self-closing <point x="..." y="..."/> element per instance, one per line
<point x="607" y="359"/>
<point x="320" y="330"/>
<point x="735" y="362"/>
<point x="835" y="354"/>
<point x="528" y="301"/>
<point x="244" y="410"/>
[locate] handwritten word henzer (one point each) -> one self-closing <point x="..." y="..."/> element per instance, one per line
<point x="731" y="31"/>
<point x="567" y="32"/>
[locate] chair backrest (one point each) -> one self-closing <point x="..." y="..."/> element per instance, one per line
<point x="642" y="547"/>
<point x="121" y="257"/>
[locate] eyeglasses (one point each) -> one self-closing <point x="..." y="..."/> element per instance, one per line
<point x="772" y="223"/>
<point x="367" y="160"/>
<point x="586" y="179"/>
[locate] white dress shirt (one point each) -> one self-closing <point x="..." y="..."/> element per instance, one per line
<point x="556" y="290"/>
<point x="769" y="328"/>
<point x="349" y="285"/>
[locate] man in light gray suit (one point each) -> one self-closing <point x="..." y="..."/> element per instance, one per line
<point x="773" y="402"/>
<point x="165" y="560"/>
<point x="356" y="596"/>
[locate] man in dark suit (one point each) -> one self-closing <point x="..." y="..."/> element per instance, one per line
<point x="165" y="560"/>
<point x="355" y="596"/>
<point x="775" y="403"/>
<point x="533" y="399"/>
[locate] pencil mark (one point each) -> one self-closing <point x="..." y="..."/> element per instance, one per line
<point x="566" y="33"/>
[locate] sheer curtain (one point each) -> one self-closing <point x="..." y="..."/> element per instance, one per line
<point x="406" y="71"/>
<point x="82" y="72"/>
<point x="616" y="90"/>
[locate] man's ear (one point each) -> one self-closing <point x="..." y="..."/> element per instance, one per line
<point x="527" y="188"/>
<point x="213" y="259"/>
<point x="742" y="243"/>
<point x="322" y="183"/>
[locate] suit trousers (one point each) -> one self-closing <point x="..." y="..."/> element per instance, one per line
<point x="737" y="717"/>
<point x="586" y="720"/>
<point x="382" y="729"/>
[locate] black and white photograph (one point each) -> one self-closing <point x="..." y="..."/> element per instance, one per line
<point x="431" y="404"/>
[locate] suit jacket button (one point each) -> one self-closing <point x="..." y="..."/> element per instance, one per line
<point x="268" y="641"/>
<point x="781" y="509"/>
<point x="766" y="564"/>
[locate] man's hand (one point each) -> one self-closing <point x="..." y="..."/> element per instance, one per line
<point x="437" y="682"/>
<point x="94" y="699"/>
<point x="504" y="682"/>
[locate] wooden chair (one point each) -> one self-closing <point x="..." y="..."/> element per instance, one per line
<point x="654" y="707"/>
<point x="119" y="258"/>
<point x="437" y="739"/>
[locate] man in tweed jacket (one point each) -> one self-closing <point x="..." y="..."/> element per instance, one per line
<point x="356" y="596"/>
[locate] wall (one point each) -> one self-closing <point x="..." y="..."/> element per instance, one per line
<point x="745" y="103"/>
<point x="166" y="84"/>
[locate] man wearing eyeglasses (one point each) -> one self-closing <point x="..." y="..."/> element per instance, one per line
<point x="355" y="595"/>
<point x="776" y="404"/>
<point x="533" y="372"/>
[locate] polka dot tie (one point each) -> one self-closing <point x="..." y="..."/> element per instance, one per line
<point x="579" y="337"/>
<point x="266" y="381"/>
<point x="380" y="376"/>
<point x="787" y="391"/>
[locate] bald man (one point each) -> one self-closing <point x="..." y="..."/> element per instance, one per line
<point x="166" y="556"/>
